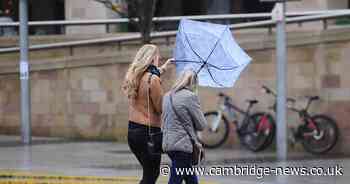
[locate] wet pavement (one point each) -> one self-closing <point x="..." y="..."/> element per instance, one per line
<point x="344" y="179"/>
<point x="110" y="159"/>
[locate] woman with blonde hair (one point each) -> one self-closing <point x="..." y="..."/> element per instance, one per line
<point x="142" y="85"/>
<point x="182" y="117"/>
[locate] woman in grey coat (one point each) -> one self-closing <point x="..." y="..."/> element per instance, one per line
<point x="176" y="141"/>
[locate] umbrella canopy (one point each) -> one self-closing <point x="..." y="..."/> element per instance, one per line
<point x="211" y="51"/>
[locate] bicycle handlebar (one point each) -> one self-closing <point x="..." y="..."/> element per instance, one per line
<point x="312" y="98"/>
<point x="226" y="97"/>
<point x="292" y="100"/>
<point x="269" y="91"/>
<point x="223" y="95"/>
<point x="227" y="102"/>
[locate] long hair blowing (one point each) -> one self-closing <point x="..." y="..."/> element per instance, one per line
<point x="144" y="57"/>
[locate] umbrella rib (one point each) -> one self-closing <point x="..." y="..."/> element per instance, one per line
<point x="188" y="41"/>
<point x="212" y="51"/>
<point x="186" y="61"/>
<point x="218" y="68"/>
<point x="206" y="61"/>
<point x="212" y="77"/>
<point x="203" y="61"/>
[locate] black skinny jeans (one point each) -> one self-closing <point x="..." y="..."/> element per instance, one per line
<point x="137" y="140"/>
<point x="181" y="160"/>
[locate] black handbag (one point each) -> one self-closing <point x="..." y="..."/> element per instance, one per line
<point x="155" y="141"/>
<point x="198" y="153"/>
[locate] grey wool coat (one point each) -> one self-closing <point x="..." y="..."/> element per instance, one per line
<point x="175" y="137"/>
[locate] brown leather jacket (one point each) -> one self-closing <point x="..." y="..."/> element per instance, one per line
<point x="138" y="111"/>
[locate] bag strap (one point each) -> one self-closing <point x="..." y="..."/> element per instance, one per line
<point x="180" y="117"/>
<point x="148" y="104"/>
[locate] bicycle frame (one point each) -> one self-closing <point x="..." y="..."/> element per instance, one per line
<point x="217" y="121"/>
<point x="305" y="121"/>
<point x="246" y="124"/>
<point x="304" y="116"/>
<point x="226" y="106"/>
<point x="263" y="124"/>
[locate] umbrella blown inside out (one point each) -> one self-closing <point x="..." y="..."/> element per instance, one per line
<point x="211" y="51"/>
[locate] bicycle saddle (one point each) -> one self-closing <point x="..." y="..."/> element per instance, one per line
<point x="291" y="100"/>
<point x="312" y="98"/>
<point x="252" y="101"/>
<point x="221" y="94"/>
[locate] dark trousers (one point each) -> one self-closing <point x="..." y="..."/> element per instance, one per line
<point x="137" y="140"/>
<point x="181" y="160"/>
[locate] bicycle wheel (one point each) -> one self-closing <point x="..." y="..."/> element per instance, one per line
<point x="269" y="129"/>
<point x="324" y="139"/>
<point x="214" y="139"/>
<point x="260" y="131"/>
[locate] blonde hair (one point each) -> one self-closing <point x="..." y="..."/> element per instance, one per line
<point x="187" y="79"/>
<point x="144" y="57"/>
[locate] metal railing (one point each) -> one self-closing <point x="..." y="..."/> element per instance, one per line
<point x="165" y="19"/>
<point x="167" y="34"/>
<point x="299" y="20"/>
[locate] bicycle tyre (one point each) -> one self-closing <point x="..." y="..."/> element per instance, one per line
<point x="265" y="141"/>
<point x="220" y="141"/>
<point x="333" y="125"/>
<point x="271" y="136"/>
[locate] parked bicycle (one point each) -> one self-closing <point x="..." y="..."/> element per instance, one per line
<point x="253" y="134"/>
<point x="317" y="133"/>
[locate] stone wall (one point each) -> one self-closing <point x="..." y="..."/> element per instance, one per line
<point x="79" y="96"/>
<point x="339" y="4"/>
<point x="309" y="5"/>
<point x="315" y="5"/>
